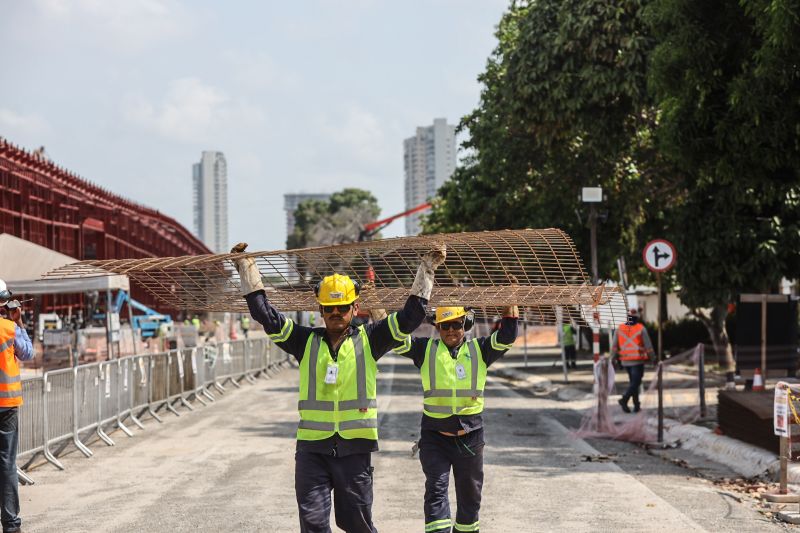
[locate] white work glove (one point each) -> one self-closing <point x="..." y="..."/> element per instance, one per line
<point x="511" y="311"/>
<point x="377" y="314"/>
<point x="249" y="274"/>
<point x="423" y="283"/>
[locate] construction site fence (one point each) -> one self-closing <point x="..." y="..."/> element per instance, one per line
<point x="73" y="407"/>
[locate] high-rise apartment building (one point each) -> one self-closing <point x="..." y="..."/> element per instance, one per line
<point x="290" y="203"/>
<point x="210" y="183"/>
<point x="429" y="160"/>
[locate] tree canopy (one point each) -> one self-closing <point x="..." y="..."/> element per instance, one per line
<point x="686" y="113"/>
<point x="334" y="221"/>
<point x="564" y="105"/>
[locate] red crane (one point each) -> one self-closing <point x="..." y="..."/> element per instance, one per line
<point x="374" y="227"/>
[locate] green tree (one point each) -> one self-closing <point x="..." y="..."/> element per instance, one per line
<point x="307" y="214"/>
<point x="725" y="78"/>
<point x="564" y="105"/>
<point x="335" y="221"/>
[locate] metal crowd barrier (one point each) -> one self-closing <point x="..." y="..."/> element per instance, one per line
<point x="66" y="407"/>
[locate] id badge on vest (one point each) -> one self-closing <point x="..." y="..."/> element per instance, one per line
<point x="461" y="372"/>
<point x="331" y="374"/>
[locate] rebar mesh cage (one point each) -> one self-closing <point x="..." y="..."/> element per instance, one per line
<point x="536" y="269"/>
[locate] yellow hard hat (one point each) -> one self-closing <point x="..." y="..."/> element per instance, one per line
<point x="337" y="290"/>
<point x="443" y="314"/>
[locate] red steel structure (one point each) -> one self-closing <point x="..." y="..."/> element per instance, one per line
<point x="50" y="206"/>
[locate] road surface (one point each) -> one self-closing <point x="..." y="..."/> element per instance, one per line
<point x="230" y="467"/>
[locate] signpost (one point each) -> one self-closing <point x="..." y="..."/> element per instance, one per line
<point x="659" y="256"/>
<point x="782" y="423"/>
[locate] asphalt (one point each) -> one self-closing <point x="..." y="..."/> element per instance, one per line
<point x="229" y="467"/>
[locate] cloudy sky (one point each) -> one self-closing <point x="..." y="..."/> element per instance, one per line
<point x="301" y="96"/>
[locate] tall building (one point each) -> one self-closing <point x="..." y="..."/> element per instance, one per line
<point x="290" y="203"/>
<point x="210" y="181"/>
<point x="429" y="160"/>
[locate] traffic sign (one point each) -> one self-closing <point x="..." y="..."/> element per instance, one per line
<point x="659" y="255"/>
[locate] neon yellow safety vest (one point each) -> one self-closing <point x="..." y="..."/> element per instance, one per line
<point x="453" y="386"/>
<point x="349" y="406"/>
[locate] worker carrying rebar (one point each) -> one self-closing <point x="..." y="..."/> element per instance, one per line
<point x="632" y="347"/>
<point x="453" y="373"/>
<point x="338" y="428"/>
<point x="14" y="345"/>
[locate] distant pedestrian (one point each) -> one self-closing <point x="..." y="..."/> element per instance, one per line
<point x="244" y="322"/>
<point x="14" y="345"/>
<point x="631" y="345"/>
<point x="568" y="342"/>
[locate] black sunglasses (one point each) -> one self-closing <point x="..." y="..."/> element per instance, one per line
<point x="343" y="309"/>
<point x="451" y="325"/>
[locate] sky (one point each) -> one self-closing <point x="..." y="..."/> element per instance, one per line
<point x="301" y="96"/>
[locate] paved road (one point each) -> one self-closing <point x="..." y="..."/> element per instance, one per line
<point x="229" y="467"/>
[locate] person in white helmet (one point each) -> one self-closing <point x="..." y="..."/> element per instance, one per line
<point x="14" y="345"/>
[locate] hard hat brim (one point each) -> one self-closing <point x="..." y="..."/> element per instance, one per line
<point x="338" y="302"/>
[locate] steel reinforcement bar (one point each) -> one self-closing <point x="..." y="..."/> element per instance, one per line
<point x="536" y="269"/>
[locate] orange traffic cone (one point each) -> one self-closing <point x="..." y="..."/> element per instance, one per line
<point x="758" y="381"/>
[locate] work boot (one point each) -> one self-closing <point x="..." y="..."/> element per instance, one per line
<point x="636" y="407"/>
<point x="623" y="402"/>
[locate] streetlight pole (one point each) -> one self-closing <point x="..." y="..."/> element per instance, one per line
<point x="593" y="237"/>
<point x="593" y="196"/>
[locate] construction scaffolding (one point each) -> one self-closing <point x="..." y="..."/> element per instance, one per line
<point x="536" y="269"/>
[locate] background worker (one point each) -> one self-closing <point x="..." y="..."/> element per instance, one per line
<point x="338" y="426"/>
<point x="453" y="373"/>
<point x="568" y="342"/>
<point x="244" y="323"/>
<point x="632" y="347"/>
<point x="14" y="345"/>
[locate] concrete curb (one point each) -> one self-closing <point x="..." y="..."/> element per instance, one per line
<point x="744" y="459"/>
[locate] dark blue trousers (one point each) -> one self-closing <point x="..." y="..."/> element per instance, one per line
<point x="9" y="439"/>
<point x="350" y="479"/>
<point x="635" y="375"/>
<point x="439" y="454"/>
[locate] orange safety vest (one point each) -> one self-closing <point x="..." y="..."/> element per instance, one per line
<point x="10" y="382"/>
<point x="631" y="345"/>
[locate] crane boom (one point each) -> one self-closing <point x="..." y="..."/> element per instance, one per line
<point x="374" y="227"/>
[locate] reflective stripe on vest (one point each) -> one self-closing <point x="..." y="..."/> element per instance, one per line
<point x="5" y="379"/>
<point x="284" y="333"/>
<point x="320" y="417"/>
<point x="394" y="328"/>
<point x="8" y="344"/>
<point x="438" y="400"/>
<point x="631" y="344"/>
<point x="10" y="380"/>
